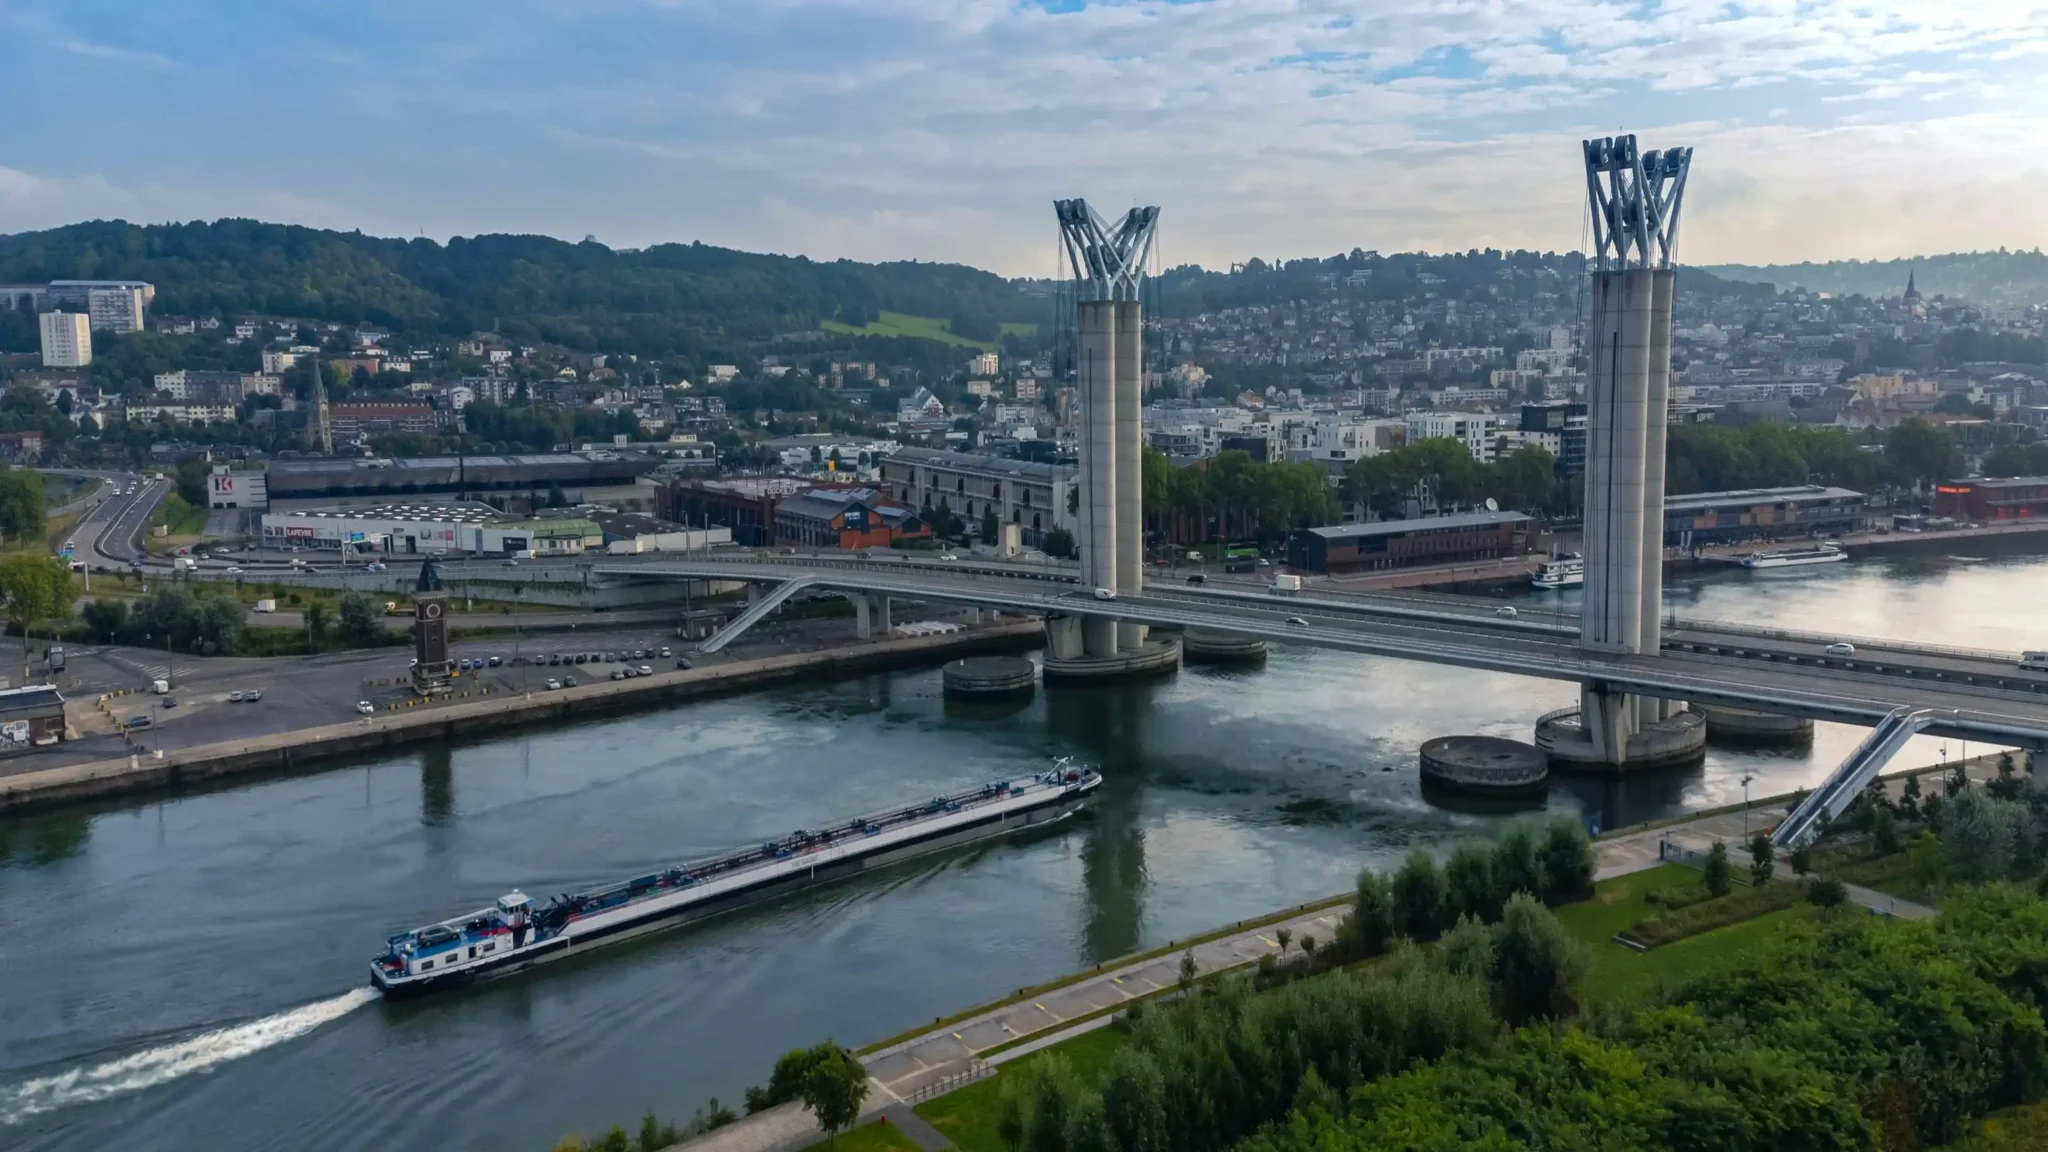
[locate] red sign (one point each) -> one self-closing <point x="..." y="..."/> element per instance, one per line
<point x="1953" y="490"/>
<point x="298" y="533"/>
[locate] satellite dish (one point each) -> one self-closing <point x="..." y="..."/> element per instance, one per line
<point x="1492" y="505"/>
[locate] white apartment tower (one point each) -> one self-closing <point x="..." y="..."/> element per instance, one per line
<point x="67" y="339"/>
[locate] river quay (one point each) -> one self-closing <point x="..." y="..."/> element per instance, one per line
<point x="465" y="719"/>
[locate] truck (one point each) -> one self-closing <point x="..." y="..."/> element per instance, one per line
<point x="266" y="606"/>
<point x="160" y="687"/>
<point x="185" y="564"/>
<point x="1285" y="585"/>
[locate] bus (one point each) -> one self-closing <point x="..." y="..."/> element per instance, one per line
<point x="1240" y="557"/>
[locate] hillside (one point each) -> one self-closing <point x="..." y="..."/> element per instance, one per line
<point x="1985" y="277"/>
<point x="688" y="300"/>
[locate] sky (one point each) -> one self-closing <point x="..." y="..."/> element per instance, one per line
<point x="943" y="129"/>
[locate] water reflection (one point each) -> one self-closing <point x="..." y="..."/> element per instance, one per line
<point x="1108" y="724"/>
<point x="41" y="841"/>
<point x="437" y="786"/>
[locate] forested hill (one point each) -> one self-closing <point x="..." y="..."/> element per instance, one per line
<point x="1999" y="277"/>
<point x="668" y="299"/>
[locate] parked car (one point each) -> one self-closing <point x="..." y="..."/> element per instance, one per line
<point x="553" y="683"/>
<point x="568" y="681"/>
<point x="684" y="664"/>
<point x="495" y="661"/>
<point x="1841" y="648"/>
<point x="139" y="720"/>
<point x="665" y="653"/>
<point x="170" y="701"/>
<point x="235" y="697"/>
<point x="365" y="707"/>
<point x="646" y="671"/>
<point x="618" y="674"/>
<point x="252" y="695"/>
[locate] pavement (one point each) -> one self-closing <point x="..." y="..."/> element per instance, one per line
<point x="303" y="692"/>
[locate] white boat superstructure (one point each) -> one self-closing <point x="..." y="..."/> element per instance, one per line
<point x="1561" y="572"/>
<point x="515" y="932"/>
<point x="1794" y="557"/>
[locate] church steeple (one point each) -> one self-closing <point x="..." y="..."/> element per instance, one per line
<point x="319" y="435"/>
<point x="1912" y="293"/>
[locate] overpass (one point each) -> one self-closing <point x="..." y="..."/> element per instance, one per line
<point x="1975" y="696"/>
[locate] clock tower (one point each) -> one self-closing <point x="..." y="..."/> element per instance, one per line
<point x="431" y="668"/>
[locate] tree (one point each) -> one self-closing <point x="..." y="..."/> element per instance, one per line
<point x="21" y="503"/>
<point x="1517" y="863"/>
<point x="1926" y="863"/>
<point x="1188" y="972"/>
<point x="833" y="1087"/>
<point x="106" y="619"/>
<point x="220" y="624"/>
<point x="357" y="620"/>
<point x="1134" y="1099"/>
<point x="1909" y="798"/>
<point x="1958" y="779"/>
<point x="1826" y="892"/>
<point x="1467" y="949"/>
<point x="1059" y="544"/>
<point x="1372" y="913"/>
<point x="1801" y="859"/>
<point x="1762" y="859"/>
<point x="316" y="623"/>
<point x="1884" y="832"/>
<point x="990" y="526"/>
<point x="1468" y="883"/>
<point x="1419" y="896"/>
<point x="1537" y="964"/>
<point x="1282" y="937"/>
<point x="1567" y="862"/>
<point x="1715" y="874"/>
<point x="37" y="588"/>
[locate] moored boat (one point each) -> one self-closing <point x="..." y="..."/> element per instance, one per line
<point x="1562" y="572"/>
<point x="516" y="932"/>
<point x="1793" y="557"/>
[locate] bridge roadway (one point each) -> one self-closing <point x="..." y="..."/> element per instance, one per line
<point x="1982" y="698"/>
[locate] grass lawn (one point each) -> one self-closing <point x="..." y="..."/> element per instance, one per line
<point x="968" y="1116"/>
<point x="875" y="1137"/>
<point x="1619" y="973"/>
<point x="922" y="327"/>
<point x="2019" y="1129"/>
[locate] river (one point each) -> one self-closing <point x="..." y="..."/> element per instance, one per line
<point x="188" y="973"/>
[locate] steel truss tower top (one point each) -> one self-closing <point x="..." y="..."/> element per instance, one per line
<point x="1634" y="197"/>
<point x="1108" y="263"/>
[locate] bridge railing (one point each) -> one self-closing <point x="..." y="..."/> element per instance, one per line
<point x="1873" y="642"/>
<point x="1841" y="788"/>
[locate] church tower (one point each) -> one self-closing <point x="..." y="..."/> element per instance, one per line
<point x="319" y="434"/>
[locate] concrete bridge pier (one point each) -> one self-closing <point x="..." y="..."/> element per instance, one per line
<point x="861" y="628"/>
<point x="1607" y="732"/>
<point x="868" y="611"/>
<point x="1063" y="639"/>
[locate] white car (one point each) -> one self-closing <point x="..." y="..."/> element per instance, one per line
<point x="1506" y="612"/>
<point x="947" y="556"/>
<point x="1297" y="621"/>
<point x="1104" y="594"/>
<point x="1841" y="648"/>
<point x="234" y="571"/>
<point x="646" y="670"/>
<point x="365" y="707"/>
<point x="553" y="683"/>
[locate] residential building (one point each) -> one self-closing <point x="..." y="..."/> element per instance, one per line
<point x="21" y="447"/>
<point x="67" y="339"/>
<point x="361" y="420"/>
<point x="277" y="363"/>
<point x="1029" y="494"/>
<point x="1475" y="430"/>
<point x="1560" y="427"/>
<point x="986" y="364"/>
<point x="117" y="310"/>
<point x="1399" y="543"/>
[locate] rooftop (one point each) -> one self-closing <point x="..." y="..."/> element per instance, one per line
<point x="1426" y="523"/>
<point x="30" y="696"/>
<point x="1800" y="492"/>
<point x="975" y="462"/>
<point x="2006" y="482"/>
<point x="423" y="513"/>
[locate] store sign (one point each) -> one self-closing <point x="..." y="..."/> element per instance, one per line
<point x="223" y="485"/>
<point x="298" y="533"/>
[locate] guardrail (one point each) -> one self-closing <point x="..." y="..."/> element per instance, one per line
<point x="1876" y="642"/>
<point x="979" y="1070"/>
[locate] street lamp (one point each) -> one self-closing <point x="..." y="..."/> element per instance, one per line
<point x="1746" y="778"/>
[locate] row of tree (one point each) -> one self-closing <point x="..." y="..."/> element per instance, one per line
<point x="1234" y="497"/>
<point x="215" y="623"/>
<point x="1445" y="471"/>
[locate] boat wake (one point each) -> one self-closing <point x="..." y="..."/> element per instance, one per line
<point x="153" y="1066"/>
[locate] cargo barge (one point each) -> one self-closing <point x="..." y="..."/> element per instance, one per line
<point x="516" y="932"/>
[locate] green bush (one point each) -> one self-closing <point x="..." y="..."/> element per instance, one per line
<point x="1707" y="915"/>
<point x="1421" y="904"/>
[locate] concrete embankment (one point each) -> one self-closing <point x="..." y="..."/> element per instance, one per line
<point x="373" y="735"/>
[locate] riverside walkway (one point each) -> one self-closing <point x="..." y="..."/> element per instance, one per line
<point x="957" y="1052"/>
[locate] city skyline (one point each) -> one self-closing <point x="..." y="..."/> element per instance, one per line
<point x="913" y="129"/>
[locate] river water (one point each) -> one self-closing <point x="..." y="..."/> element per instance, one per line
<point x="188" y="974"/>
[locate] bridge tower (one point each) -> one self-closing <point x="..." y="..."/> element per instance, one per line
<point x="1108" y="262"/>
<point x="1634" y="198"/>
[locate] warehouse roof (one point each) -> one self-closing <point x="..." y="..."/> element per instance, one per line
<point x="1424" y="524"/>
<point x="1747" y="496"/>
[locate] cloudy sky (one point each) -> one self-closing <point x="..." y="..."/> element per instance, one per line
<point x="942" y="129"/>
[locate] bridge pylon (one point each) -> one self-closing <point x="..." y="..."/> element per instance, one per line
<point x="1634" y="198"/>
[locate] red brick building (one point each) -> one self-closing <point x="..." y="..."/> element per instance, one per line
<point x="2017" y="498"/>
<point x="848" y="519"/>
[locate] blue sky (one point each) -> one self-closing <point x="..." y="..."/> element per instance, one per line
<point x="942" y="129"/>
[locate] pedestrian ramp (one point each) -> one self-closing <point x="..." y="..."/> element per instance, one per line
<point x="754" y="614"/>
<point x="1841" y="788"/>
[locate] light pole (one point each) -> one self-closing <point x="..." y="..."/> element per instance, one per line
<point x="1746" y="778"/>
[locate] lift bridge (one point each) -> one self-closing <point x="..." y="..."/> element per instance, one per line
<point x="1898" y="689"/>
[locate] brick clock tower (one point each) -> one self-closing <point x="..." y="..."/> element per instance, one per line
<point x="431" y="668"/>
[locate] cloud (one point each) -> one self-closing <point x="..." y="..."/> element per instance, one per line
<point x="109" y="52"/>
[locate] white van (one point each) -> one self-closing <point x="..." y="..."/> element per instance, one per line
<point x="160" y="687"/>
<point x="2034" y="661"/>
